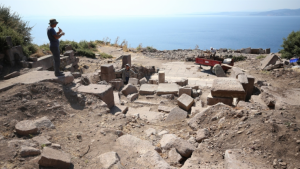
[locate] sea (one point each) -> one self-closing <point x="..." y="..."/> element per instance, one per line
<point x="174" y="32"/>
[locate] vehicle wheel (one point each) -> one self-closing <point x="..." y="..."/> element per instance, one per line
<point x="211" y="70"/>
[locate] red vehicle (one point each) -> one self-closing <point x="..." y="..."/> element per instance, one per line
<point x="213" y="62"/>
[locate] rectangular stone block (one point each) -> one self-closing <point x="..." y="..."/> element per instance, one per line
<point x="117" y="84"/>
<point x="185" y="90"/>
<point x="161" y="77"/>
<point x="15" y="55"/>
<point x="165" y="88"/>
<point x="215" y="100"/>
<point x="117" y="98"/>
<point x="126" y="59"/>
<point x="229" y="88"/>
<point x="269" y="60"/>
<point x="250" y="86"/>
<point x="104" y="92"/>
<point x="108" y="76"/>
<point x="185" y="102"/>
<point x="148" y="89"/>
<point x="46" y="62"/>
<point x="133" y="81"/>
<point x="235" y="71"/>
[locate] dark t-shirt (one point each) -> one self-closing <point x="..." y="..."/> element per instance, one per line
<point x="53" y="42"/>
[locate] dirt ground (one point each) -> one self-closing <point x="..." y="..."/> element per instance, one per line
<point x="85" y="131"/>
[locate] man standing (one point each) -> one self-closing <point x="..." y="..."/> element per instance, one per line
<point x="126" y="73"/>
<point x="54" y="45"/>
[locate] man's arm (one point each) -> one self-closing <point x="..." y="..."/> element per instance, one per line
<point x="133" y="71"/>
<point x="58" y="34"/>
<point x="120" y="70"/>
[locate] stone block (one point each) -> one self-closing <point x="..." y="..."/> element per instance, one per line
<point x="218" y="71"/>
<point x="148" y="89"/>
<point x="202" y="134"/>
<point x="164" y="88"/>
<point x="214" y="100"/>
<point x="126" y="59"/>
<point x="129" y="89"/>
<point x="46" y="62"/>
<point x="185" y="90"/>
<point x="104" y="92"/>
<point x="250" y="86"/>
<point x="15" y="55"/>
<point x="29" y="151"/>
<point x="55" y="158"/>
<point x="161" y="77"/>
<point x="90" y="78"/>
<point x="132" y="97"/>
<point x="117" y="84"/>
<point x="42" y="140"/>
<point x="12" y="75"/>
<point x="26" y="127"/>
<point x="185" y="102"/>
<point x="227" y="87"/>
<point x="109" y="160"/>
<point x="235" y="71"/>
<point x="107" y="72"/>
<point x="143" y="81"/>
<point x="269" y="60"/>
<point x="117" y="98"/>
<point x="166" y="109"/>
<point x="182" y="82"/>
<point x="133" y="81"/>
<point x="176" y="115"/>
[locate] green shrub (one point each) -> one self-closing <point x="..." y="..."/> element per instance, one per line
<point x="150" y="49"/>
<point x="29" y="49"/>
<point x="105" y="55"/>
<point x="83" y="44"/>
<point x="85" y="52"/>
<point x="239" y="58"/>
<point x="92" y="44"/>
<point x="16" y="38"/>
<point x="100" y="42"/>
<point x="140" y="47"/>
<point x="291" y="45"/>
<point x="260" y="57"/>
<point x="45" y="47"/>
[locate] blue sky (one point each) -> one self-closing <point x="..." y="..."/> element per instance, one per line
<point x="28" y="8"/>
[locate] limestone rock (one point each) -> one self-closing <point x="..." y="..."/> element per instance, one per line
<point x="132" y="143"/>
<point x="55" y="158"/>
<point x="153" y="160"/>
<point x="227" y="87"/>
<point x="150" y="131"/>
<point x="132" y="97"/>
<point x="148" y="89"/>
<point x="185" y="102"/>
<point x="43" y="122"/>
<point x="26" y="127"/>
<point x="167" y="141"/>
<point x="218" y="71"/>
<point x="174" y="157"/>
<point x="109" y="159"/>
<point x="129" y="89"/>
<point x="143" y="81"/>
<point x="41" y="140"/>
<point x="176" y="114"/>
<point x="202" y="134"/>
<point x="29" y="151"/>
<point x="165" y="108"/>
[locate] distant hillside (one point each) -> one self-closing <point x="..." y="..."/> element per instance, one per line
<point x="281" y="12"/>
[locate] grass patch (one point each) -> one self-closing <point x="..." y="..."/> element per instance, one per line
<point x="261" y="57"/>
<point x="86" y="52"/>
<point x="239" y="58"/>
<point x="105" y="55"/>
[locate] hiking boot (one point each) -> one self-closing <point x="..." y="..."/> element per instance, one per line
<point x="59" y="74"/>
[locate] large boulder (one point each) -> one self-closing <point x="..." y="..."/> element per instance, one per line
<point x="129" y="89"/>
<point x="218" y="71"/>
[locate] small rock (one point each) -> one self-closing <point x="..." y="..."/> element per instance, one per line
<point x="202" y="134"/>
<point x="56" y="146"/>
<point x="29" y="151"/>
<point x="55" y="158"/>
<point x="162" y="132"/>
<point x="174" y="157"/>
<point x="26" y="127"/>
<point x="41" y="140"/>
<point x="109" y="159"/>
<point x="150" y="131"/>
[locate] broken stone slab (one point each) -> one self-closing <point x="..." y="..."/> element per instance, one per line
<point x="90" y="78"/>
<point x="164" y="88"/>
<point x="161" y="77"/>
<point x="145" y="114"/>
<point x="119" y="108"/>
<point x="12" y="75"/>
<point x="133" y="81"/>
<point x="185" y="90"/>
<point x="132" y="97"/>
<point x="129" y="89"/>
<point x="43" y="122"/>
<point x="42" y="140"/>
<point x="235" y="71"/>
<point x="117" y="84"/>
<point x="26" y="127"/>
<point x="107" y="72"/>
<point x="218" y="71"/>
<point x="250" y="86"/>
<point x="165" y="108"/>
<point x="185" y="102"/>
<point x="55" y="158"/>
<point x="174" y="157"/>
<point x="148" y="89"/>
<point x="108" y="160"/>
<point x="19" y="143"/>
<point x="269" y="60"/>
<point x="45" y="62"/>
<point x="143" y="81"/>
<point x="215" y="100"/>
<point x="176" y="115"/>
<point x="36" y="77"/>
<point x="202" y="134"/>
<point x="104" y="92"/>
<point x="227" y="87"/>
<point x="117" y="98"/>
<point x="29" y="151"/>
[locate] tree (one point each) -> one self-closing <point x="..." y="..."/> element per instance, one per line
<point x="291" y="45"/>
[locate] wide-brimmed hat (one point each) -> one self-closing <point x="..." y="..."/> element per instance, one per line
<point x="53" y="21"/>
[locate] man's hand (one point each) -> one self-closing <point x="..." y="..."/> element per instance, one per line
<point x="59" y="30"/>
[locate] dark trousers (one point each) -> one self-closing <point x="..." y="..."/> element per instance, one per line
<point x="56" y="58"/>
<point x="127" y="79"/>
